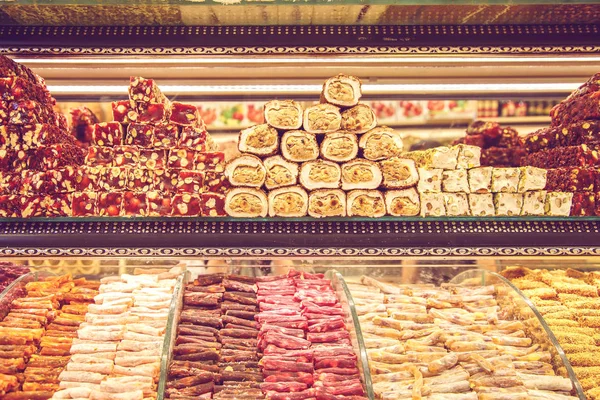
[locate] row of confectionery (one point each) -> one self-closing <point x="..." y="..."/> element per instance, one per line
<point x="154" y="334"/>
<point x="328" y="160"/>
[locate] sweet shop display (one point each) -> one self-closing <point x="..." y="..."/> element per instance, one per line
<point x="451" y="342"/>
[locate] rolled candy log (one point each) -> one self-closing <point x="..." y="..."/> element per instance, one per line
<point x="246" y="170"/>
<point x="339" y="146"/>
<point x="381" y="143"/>
<point x="299" y="146"/>
<point x="280" y="172"/>
<point x="342" y="91"/>
<point x="246" y="203"/>
<point x="320" y="175"/>
<point x="365" y="203"/>
<point x="322" y="118"/>
<point x="361" y="174"/>
<point x="283" y="114"/>
<point x="399" y="173"/>
<point x="359" y="119"/>
<point x="260" y="140"/>
<point x="327" y="203"/>
<point x="289" y="201"/>
<point x="400" y="203"/>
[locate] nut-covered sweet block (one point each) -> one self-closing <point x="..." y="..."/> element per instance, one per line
<point x="534" y="203"/>
<point x="532" y="178"/>
<point x="32" y="206"/>
<point x="190" y="181"/>
<point x="468" y="156"/>
<point x="432" y="204"/>
<point x="212" y="205"/>
<point x="166" y="179"/>
<point x="134" y="204"/>
<point x="194" y="137"/>
<point x="142" y="90"/>
<point x="34" y="182"/>
<point x="11" y="183"/>
<point x="153" y="158"/>
<point x="430" y="180"/>
<point x="505" y="180"/>
<point x="583" y="204"/>
<point x="181" y="158"/>
<point x="558" y="204"/>
<point x="141" y="135"/>
<point x="508" y="138"/>
<point x="216" y="182"/>
<point x="159" y="204"/>
<point x="6" y="159"/>
<point x="4" y="111"/>
<point x="570" y="156"/>
<point x="454" y="181"/>
<point x="166" y="135"/>
<point x="17" y="88"/>
<point x="44" y="134"/>
<point x="63" y="180"/>
<point x="586" y="107"/>
<point x="10" y="136"/>
<point x="84" y="204"/>
<point x="126" y="156"/>
<point x="480" y="180"/>
<point x="508" y="204"/>
<point x="99" y="155"/>
<point x="582" y="132"/>
<point x="123" y="112"/>
<point x="87" y="178"/>
<point x="58" y="205"/>
<point x="108" y="134"/>
<point x="10" y="206"/>
<point x="456" y="204"/>
<point x="214" y="161"/>
<point x="184" y="114"/>
<point x="21" y="160"/>
<point x="141" y="179"/>
<point x="110" y="204"/>
<point x="544" y="138"/>
<point x="153" y="113"/>
<point x="113" y="178"/>
<point x="502" y="157"/>
<point x="186" y="205"/>
<point x="474" y="140"/>
<point x="481" y="204"/>
<point x="27" y="112"/>
<point x="56" y="156"/>
<point x="571" y="179"/>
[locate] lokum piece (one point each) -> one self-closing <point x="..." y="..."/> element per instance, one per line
<point x="20" y="159"/>
<point x="27" y="112"/>
<point x="87" y="178"/>
<point x="165" y="180"/>
<point x="64" y="180"/>
<point x="342" y="90"/>
<point x="56" y="156"/>
<point x="322" y="118"/>
<point x="58" y="205"/>
<point x="430" y="180"/>
<point x="468" y="156"/>
<point x="481" y="204"/>
<point x="10" y="206"/>
<point x="358" y="119"/>
<point x="11" y="183"/>
<point x="212" y="205"/>
<point x="571" y="179"/>
<point x="488" y="129"/>
<point x="260" y="140"/>
<point x="134" y="204"/>
<point x="381" y="143"/>
<point x="109" y="204"/>
<point x="190" y="181"/>
<point x="509" y="137"/>
<point x="582" y="132"/>
<point x="456" y="180"/>
<point x="480" y="180"/>
<point x="247" y="170"/>
<point x="299" y="146"/>
<point x="34" y="182"/>
<point x="10" y="136"/>
<point x="283" y="114"/>
<point x="140" y="179"/>
<point x="542" y="139"/>
<point x="186" y="205"/>
<point x="123" y="112"/>
<point x="399" y="173"/>
<point x="214" y="160"/>
<point x="153" y="158"/>
<point x="474" y="140"/>
<point x="279" y="173"/>
<point x="365" y="203"/>
<point x="181" y="158"/>
<point x="246" y="202"/>
<point x="505" y="180"/>
<point x="443" y="157"/>
<point x="166" y="135"/>
<point x="17" y="88"/>
<point x="503" y="157"/>
<point x="290" y="201"/>
<point x="339" y="146"/>
<point x="432" y="204"/>
<point x="184" y="114"/>
<point x="586" y="107"/>
<point x="320" y="174"/>
<point x="32" y="206"/>
<point x="6" y="159"/>
<point x="194" y="137"/>
<point x="159" y="204"/>
<point x="532" y="178"/>
<point x="113" y="178"/>
<point x="126" y="156"/>
<point x="142" y="90"/>
<point x="558" y="204"/>
<point x="43" y="134"/>
<point x="569" y="156"/>
<point x="154" y="114"/>
<point x="216" y="182"/>
<point x="583" y="204"/>
<point x="107" y="134"/>
<point x="456" y="204"/>
<point x="99" y="155"/>
<point x="327" y="203"/>
<point x="508" y="204"/>
<point x="84" y="204"/>
<point x="534" y="203"/>
<point x="400" y="203"/>
<point x="141" y="135"/>
<point x="361" y="174"/>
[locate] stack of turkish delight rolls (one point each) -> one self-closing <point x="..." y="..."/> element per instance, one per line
<point x="308" y="159"/>
<point x="569" y="149"/>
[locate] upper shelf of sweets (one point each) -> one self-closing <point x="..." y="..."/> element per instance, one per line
<point x="306" y="12"/>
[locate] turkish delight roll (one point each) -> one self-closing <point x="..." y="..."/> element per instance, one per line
<point x="482" y="204"/>
<point x="399" y="173"/>
<point x="280" y="172"/>
<point x="361" y="174"/>
<point x="508" y="204"/>
<point x="365" y="203"/>
<point x="327" y="203"/>
<point x="261" y="140"/>
<point x="339" y="146"/>
<point x="534" y="203"/>
<point x="558" y="204"/>
<point x="283" y="114"/>
<point x="342" y="90"/>
<point x="456" y="204"/>
<point x="246" y="170"/>
<point x="401" y="203"/>
<point x="381" y="143"/>
<point x="439" y="157"/>
<point x="299" y="146"/>
<point x="289" y="201"/>
<point x="246" y="203"/>
<point x="322" y="118"/>
<point x="359" y="119"/>
<point x="320" y="175"/>
<point x="432" y="205"/>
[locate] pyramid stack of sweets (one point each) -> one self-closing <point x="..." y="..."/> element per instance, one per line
<point x="569" y="148"/>
<point x="569" y="302"/>
<point x="37" y="153"/>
